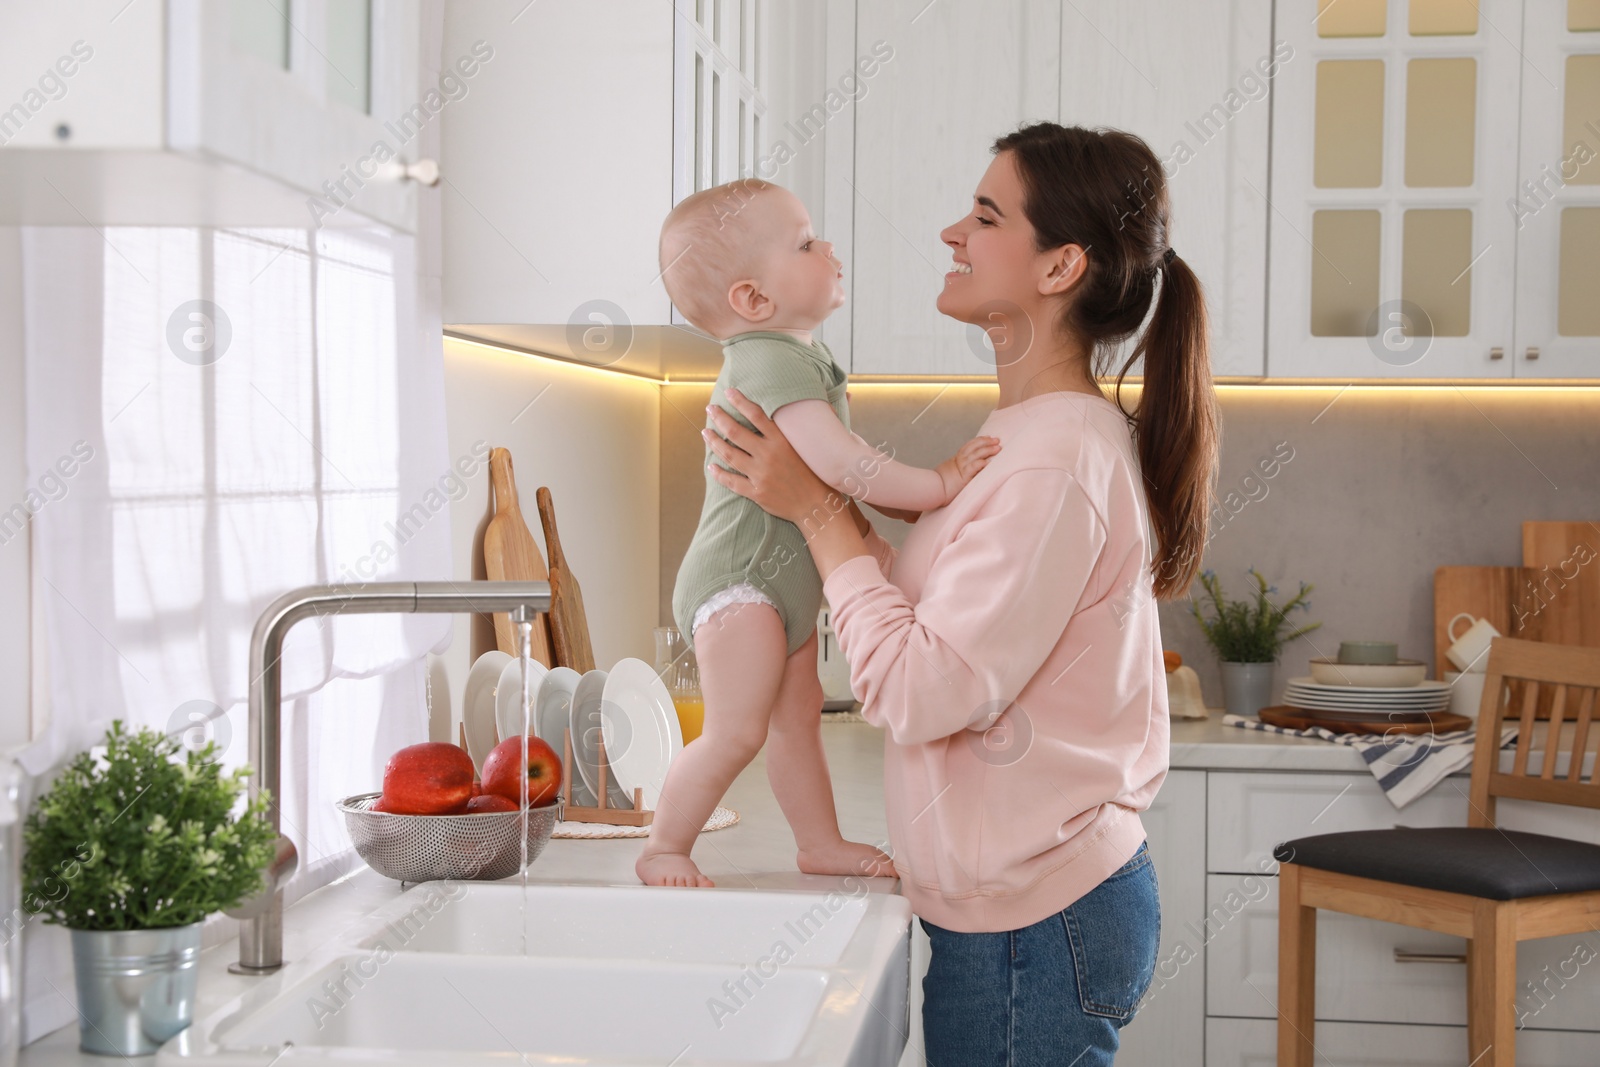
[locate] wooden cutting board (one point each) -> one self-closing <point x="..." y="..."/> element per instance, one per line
<point x="1437" y="722"/>
<point x="569" y="625"/>
<point x="1563" y="581"/>
<point x="510" y="554"/>
<point x="1499" y="594"/>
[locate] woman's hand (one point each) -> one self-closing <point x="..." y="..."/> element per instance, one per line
<point x="766" y="468"/>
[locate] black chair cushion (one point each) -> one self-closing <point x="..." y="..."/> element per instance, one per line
<point x="1495" y="864"/>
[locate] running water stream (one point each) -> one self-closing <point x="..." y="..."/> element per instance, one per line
<point x="524" y="623"/>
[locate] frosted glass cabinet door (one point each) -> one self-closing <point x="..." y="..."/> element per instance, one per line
<point x="961" y="75"/>
<point x="1392" y="253"/>
<point x="1557" y="202"/>
<point x="1192" y="79"/>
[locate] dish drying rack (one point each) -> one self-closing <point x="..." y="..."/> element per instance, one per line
<point x="638" y="815"/>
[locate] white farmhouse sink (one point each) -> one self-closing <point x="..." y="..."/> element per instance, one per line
<point x="611" y="975"/>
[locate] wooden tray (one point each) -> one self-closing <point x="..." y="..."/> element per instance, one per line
<point x="1437" y="722"/>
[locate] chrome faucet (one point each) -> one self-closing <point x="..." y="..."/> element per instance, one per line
<point x="261" y="936"/>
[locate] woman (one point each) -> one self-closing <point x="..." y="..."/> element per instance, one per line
<point x="1011" y="648"/>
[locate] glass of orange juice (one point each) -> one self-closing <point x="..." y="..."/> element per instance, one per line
<point x="678" y="668"/>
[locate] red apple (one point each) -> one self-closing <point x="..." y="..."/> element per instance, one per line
<point x="490" y="802"/>
<point x="543" y="775"/>
<point x="477" y="788"/>
<point x="433" y="778"/>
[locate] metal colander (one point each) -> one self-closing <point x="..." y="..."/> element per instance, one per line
<point x="423" y="848"/>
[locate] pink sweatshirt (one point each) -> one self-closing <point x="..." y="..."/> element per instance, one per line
<point x="1022" y="608"/>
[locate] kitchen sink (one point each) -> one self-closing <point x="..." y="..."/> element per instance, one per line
<point x="477" y="973"/>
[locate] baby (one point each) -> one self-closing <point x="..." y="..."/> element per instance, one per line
<point x="741" y="262"/>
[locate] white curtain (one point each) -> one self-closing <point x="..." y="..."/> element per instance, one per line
<point x="216" y="417"/>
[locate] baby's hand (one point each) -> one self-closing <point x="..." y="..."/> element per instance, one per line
<point x="969" y="459"/>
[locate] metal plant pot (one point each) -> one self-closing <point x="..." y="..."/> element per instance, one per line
<point x="136" y="988"/>
<point x="1246" y="687"/>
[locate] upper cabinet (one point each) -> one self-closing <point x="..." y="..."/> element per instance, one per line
<point x="1191" y="79"/>
<point x="952" y="78"/>
<point x="1194" y="80"/>
<point x="575" y="144"/>
<point x="1424" y="225"/>
<point x="1556" y="204"/>
<point x="195" y="112"/>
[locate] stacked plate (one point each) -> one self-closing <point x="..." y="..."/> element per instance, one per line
<point x="628" y="707"/>
<point x="1359" y="701"/>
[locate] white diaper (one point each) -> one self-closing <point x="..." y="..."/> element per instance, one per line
<point x="743" y="593"/>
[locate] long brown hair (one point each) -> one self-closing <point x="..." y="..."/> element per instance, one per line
<point x="1105" y="190"/>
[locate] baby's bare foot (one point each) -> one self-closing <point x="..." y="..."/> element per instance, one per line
<point x="846" y="857"/>
<point x="669" y="868"/>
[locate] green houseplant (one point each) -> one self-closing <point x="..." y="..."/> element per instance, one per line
<point x="1248" y="636"/>
<point x="131" y="850"/>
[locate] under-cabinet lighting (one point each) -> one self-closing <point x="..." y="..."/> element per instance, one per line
<point x="1227" y="386"/>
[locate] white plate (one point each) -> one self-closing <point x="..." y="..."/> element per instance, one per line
<point x="587" y="724"/>
<point x="640" y="727"/>
<point x="1312" y="685"/>
<point x="1362" y="695"/>
<point x="477" y="705"/>
<point x="1356" y="700"/>
<point x="1370" y="709"/>
<point x="1377" y="702"/>
<point x="507" y="694"/>
<point x="553" y="705"/>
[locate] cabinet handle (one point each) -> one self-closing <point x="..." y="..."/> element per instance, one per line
<point x="1406" y="956"/>
<point x="1532" y="352"/>
<point x="423" y="172"/>
<point x="1497" y="352"/>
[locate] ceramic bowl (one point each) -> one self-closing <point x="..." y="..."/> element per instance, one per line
<point x="1368" y="675"/>
<point x="1376" y="652"/>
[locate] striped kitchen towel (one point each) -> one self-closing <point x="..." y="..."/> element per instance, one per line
<point x="1405" y="765"/>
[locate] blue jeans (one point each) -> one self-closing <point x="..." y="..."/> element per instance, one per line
<point x="1053" y="994"/>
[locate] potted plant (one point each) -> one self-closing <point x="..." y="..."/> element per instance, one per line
<point x="1248" y="635"/>
<point x="131" y="851"/>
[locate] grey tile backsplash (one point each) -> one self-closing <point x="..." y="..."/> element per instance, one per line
<point x="1372" y="489"/>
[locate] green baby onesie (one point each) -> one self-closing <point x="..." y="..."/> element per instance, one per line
<point x="736" y="541"/>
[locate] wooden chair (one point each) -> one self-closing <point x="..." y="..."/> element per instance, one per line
<point x="1493" y="887"/>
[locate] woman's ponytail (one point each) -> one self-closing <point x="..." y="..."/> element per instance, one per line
<point x="1175" y="427"/>
<point x="1105" y="191"/>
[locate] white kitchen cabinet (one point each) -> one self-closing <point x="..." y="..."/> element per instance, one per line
<point x="1557" y="201"/>
<point x="1170" y="1023"/>
<point x="1393" y="163"/>
<point x="1193" y="80"/>
<point x="959" y="75"/>
<point x="1252" y="812"/>
<point x="592" y="123"/>
<point x="558" y="167"/>
<point x="1254" y="1043"/>
<point x="196" y="113"/>
<point x="1190" y="79"/>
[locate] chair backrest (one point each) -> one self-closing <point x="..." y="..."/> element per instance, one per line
<point x="1517" y="674"/>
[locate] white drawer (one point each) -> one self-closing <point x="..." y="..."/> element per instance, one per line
<point x="1254" y="1043"/>
<point x="1247" y="814"/>
<point x="1170" y="1024"/>
<point x="1358" y="978"/>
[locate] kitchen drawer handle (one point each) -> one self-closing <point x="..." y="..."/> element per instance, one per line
<point x="1406" y="956"/>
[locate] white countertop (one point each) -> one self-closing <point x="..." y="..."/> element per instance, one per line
<point x="758" y="852"/>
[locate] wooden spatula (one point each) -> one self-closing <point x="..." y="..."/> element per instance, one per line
<point x="569" y="626"/>
<point x="510" y="554"/>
